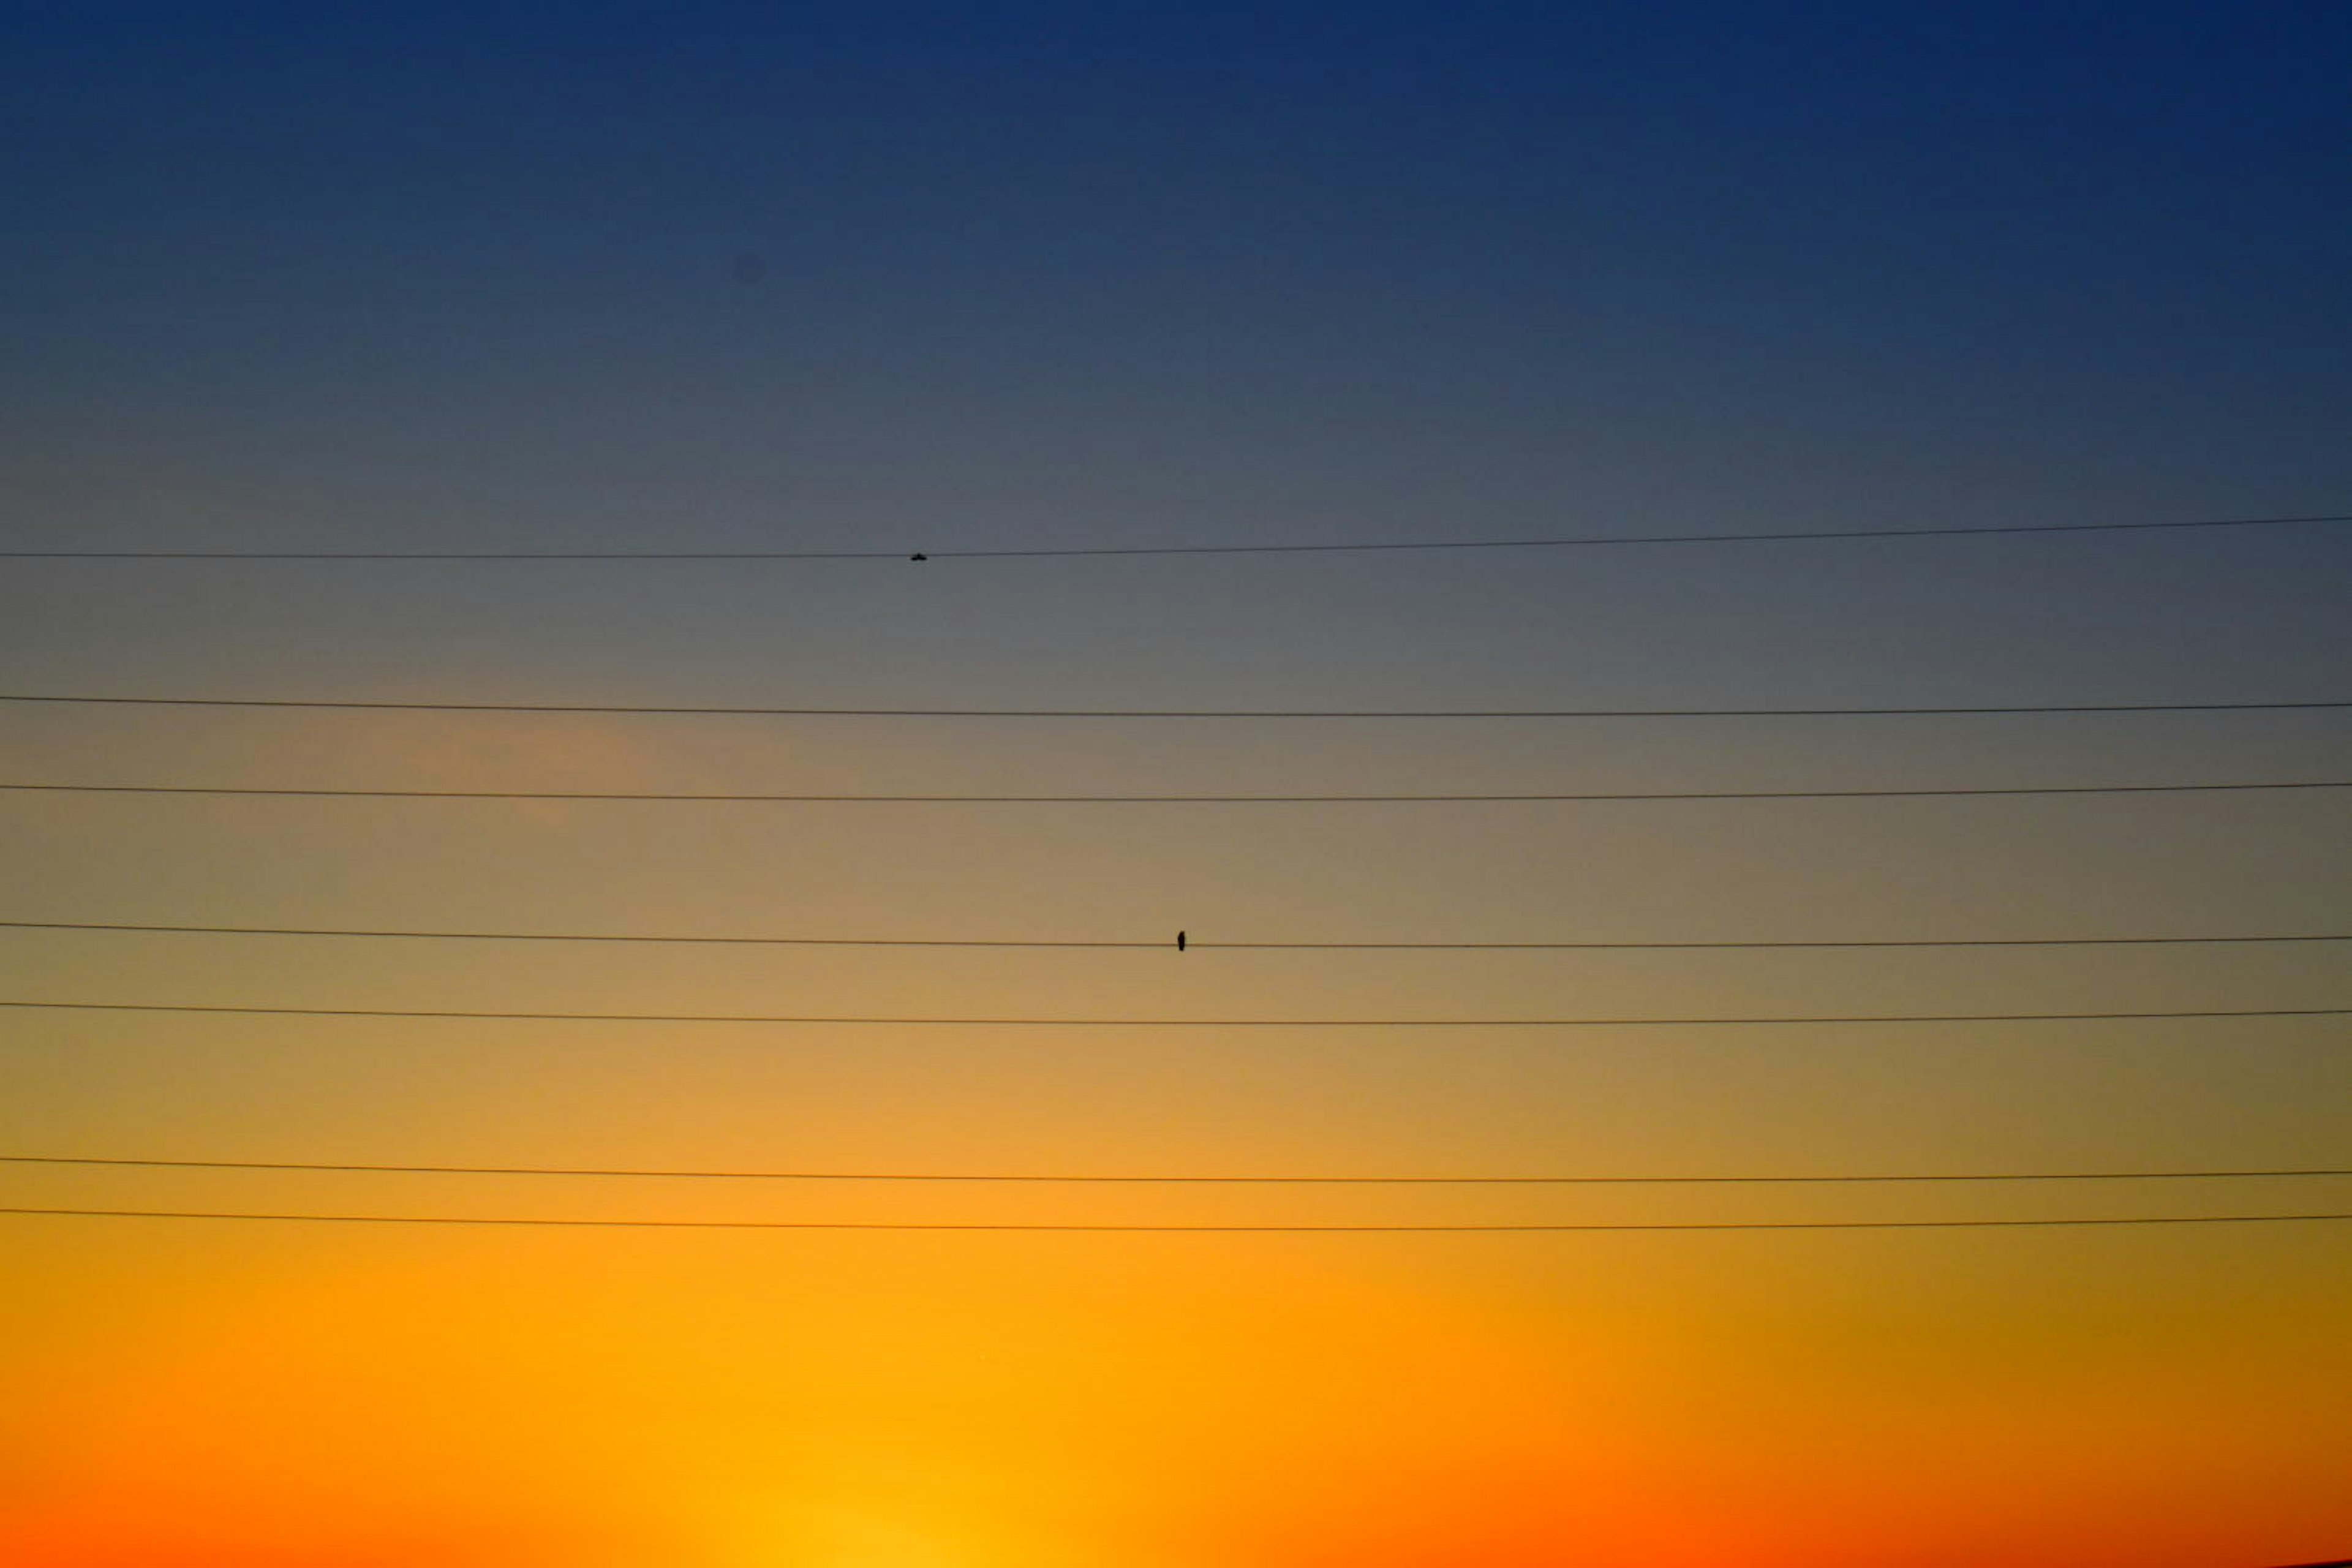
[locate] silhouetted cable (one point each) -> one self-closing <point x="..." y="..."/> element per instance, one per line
<point x="701" y="711"/>
<point x="1201" y="1229"/>
<point x="1184" y="1180"/>
<point x="927" y="553"/>
<point x="1195" y="943"/>
<point x="1428" y="799"/>
<point x="1172" y="1023"/>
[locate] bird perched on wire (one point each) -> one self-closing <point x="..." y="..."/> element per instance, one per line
<point x="1180" y="942"/>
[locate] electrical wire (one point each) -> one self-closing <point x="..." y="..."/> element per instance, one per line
<point x="1068" y="552"/>
<point x="1173" y="1022"/>
<point x="1198" y="1229"/>
<point x="1193" y="942"/>
<point x="1182" y="1180"/>
<point x="1960" y="792"/>
<point x="702" y="710"/>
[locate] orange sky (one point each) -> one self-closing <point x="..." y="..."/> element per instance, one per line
<point x="970" y="1401"/>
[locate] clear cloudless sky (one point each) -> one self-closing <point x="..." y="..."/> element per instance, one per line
<point x="611" y="278"/>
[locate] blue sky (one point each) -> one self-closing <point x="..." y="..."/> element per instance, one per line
<point x="1134" y="271"/>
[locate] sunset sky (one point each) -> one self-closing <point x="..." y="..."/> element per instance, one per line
<point x="593" y="278"/>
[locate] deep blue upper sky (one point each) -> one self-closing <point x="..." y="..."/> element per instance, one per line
<point x="567" y="273"/>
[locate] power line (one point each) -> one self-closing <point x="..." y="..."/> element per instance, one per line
<point x="1573" y="542"/>
<point x="1427" y="799"/>
<point x="699" y="710"/>
<point x="1194" y="943"/>
<point x="1284" y="1229"/>
<point x="1171" y="1023"/>
<point x="1186" y="1180"/>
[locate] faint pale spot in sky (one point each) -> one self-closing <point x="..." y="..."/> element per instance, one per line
<point x="749" y="266"/>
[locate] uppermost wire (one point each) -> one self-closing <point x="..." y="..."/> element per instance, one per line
<point x="1069" y="551"/>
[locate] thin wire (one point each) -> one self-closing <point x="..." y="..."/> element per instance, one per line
<point x="1193" y="943"/>
<point x="1096" y="1179"/>
<point x="707" y="711"/>
<point x="754" y="799"/>
<point x="1167" y="1023"/>
<point x="1077" y="551"/>
<point x="1390" y="1229"/>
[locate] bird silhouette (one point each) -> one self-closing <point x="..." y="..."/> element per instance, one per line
<point x="1180" y="942"/>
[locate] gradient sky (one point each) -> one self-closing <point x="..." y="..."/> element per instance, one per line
<point x="702" y="276"/>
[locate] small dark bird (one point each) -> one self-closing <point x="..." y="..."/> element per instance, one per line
<point x="919" y="555"/>
<point x="1180" y="942"/>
